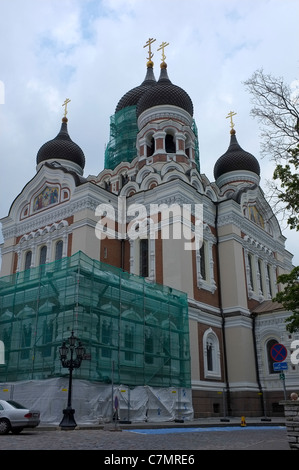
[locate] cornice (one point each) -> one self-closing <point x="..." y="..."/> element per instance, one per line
<point x="77" y="204"/>
<point x="164" y="111"/>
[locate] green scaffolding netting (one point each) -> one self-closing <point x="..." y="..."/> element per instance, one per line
<point x="123" y="134"/>
<point x="194" y="129"/>
<point x="134" y="331"/>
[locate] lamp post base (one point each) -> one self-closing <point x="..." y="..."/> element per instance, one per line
<point x="68" y="422"/>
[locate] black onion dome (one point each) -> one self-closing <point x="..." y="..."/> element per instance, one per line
<point x="61" y="148"/>
<point x="235" y="158"/>
<point x="163" y="93"/>
<point x="132" y="97"/>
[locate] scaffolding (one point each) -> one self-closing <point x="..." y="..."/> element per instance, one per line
<point x="195" y="131"/>
<point x="135" y="332"/>
<point x="123" y="134"/>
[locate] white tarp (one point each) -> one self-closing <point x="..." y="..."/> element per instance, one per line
<point x="96" y="403"/>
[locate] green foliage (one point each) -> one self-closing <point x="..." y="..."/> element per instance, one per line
<point x="289" y="179"/>
<point x="289" y="297"/>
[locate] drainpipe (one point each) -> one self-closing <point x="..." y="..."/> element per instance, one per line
<point x="228" y="405"/>
<point x="122" y="254"/>
<point x="253" y="316"/>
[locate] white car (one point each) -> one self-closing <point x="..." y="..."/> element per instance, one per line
<point x="15" y="417"/>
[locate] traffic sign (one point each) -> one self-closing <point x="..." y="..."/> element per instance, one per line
<point x="280" y="366"/>
<point x="278" y="352"/>
<point x="282" y="376"/>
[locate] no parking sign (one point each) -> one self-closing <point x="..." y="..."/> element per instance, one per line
<point x="278" y="352"/>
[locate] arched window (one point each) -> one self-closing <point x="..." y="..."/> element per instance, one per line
<point x="211" y="354"/>
<point x="43" y="255"/>
<point x="106" y="338"/>
<point x="129" y="343"/>
<point x="148" y="346"/>
<point x="250" y="271"/>
<point x="26" y="341"/>
<point x="260" y="276"/>
<point x="202" y="253"/>
<point x="47" y="339"/>
<point x="28" y="259"/>
<point x="150" y="148"/>
<point x="169" y="144"/>
<point x="58" y="250"/>
<point x="269" y="281"/>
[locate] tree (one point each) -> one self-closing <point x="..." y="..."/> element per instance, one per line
<point x="289" y="298"/>
<point x="276" y="107"/>
<point x="289" y="182"/>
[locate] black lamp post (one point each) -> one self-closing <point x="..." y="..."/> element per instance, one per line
<point x="68" y="421"/>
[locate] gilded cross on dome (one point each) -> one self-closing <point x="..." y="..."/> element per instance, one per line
<point x="162" y="46"/>
<point x="67" y="100"/>
<point x="148" y="44"/>
<point x="230" y="115"/>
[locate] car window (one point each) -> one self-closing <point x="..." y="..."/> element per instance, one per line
<point x="1" y="407"/>
<point x="16" y="405"/>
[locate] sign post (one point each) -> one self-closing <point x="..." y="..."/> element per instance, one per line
<point x="279" y="353"/>
<point x="282" y="377"/>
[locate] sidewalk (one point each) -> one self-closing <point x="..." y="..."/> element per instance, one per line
<point x="195" y="423"/>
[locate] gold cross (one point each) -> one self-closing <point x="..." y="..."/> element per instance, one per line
<point x="230" y="115"/>
<point x="148" y="44"/>
<point x="162" y="46"/>
<point x="65" y="106"/>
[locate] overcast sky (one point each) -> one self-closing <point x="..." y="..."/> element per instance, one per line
<point x="91" y="51"/>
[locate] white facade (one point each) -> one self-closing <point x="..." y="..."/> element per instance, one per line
<point x="227" y="280"/>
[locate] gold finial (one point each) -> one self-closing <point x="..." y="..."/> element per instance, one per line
<point x="67" y="100"/>
<point x="230" y="115"/>
<point x="162" y="46"/>
<point x="150" y="54"/>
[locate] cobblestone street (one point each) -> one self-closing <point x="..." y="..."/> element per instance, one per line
<point x="255" y="438"/>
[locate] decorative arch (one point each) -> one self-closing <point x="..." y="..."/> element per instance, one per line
<point x="129" y="189"/>
<point x="143" y="173"/>
<point x="210" y="193"/>
<point x="149" y="180"/>
<point x="170" y="166"/>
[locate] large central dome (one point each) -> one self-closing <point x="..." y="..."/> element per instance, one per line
<point x="132" y="97"/>
<point x="164" y="93"/>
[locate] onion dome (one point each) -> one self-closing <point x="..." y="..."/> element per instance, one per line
<point x="132" y="97"/>
<point x="62" y="148"/>
<point x="165" y="93"/>
<point x="235" y="159"/>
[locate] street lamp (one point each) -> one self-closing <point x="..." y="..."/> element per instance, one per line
<point x="68" y="421"/>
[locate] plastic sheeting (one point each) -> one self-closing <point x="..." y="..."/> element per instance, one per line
<point x="97" y="403"/>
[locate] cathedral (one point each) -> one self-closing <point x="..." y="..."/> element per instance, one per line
<point x="166" y="277"/>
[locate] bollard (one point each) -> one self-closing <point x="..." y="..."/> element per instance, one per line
<point x="243" y="422"/>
